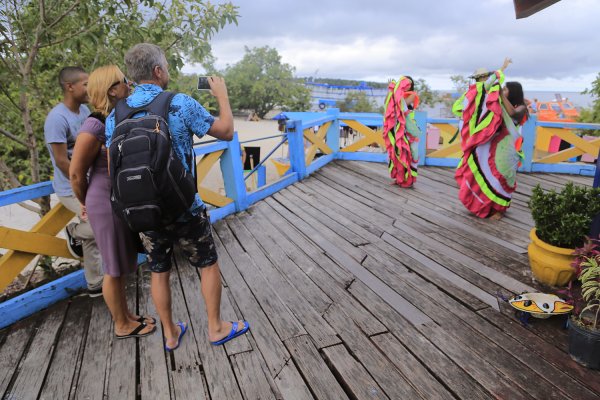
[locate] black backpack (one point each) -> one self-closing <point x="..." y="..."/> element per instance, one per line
<point x="150" y="186"/>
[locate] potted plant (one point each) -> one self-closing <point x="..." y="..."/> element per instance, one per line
<point x="584" y="325"/>
<point x="562" y="220"/>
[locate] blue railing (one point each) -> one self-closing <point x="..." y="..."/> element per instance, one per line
<point x="327" y="141"/>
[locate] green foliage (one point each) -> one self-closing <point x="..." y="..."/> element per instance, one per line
<point x="38" y="38"/>
<point x="188" y="83"/>
<point x="589" y="277"/>
<point x="563" y="219"/>
<point x="357" y="101"/>
<point x="261" y="82"/>
<point x="461" y="84"/>
<point x="592" y="115"/>
<point x="427" y="96"/>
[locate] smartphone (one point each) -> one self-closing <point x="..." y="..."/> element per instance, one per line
<point x="203" y="83"/>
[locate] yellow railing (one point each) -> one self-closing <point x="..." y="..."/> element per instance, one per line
<point x="24" y="246"/>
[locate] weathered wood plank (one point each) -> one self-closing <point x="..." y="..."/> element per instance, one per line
<point x="185" y="369"/>
<point x="349" y="263"/>
<point x="271" y="347"/>
<point x="273" y="212"/>
<point x="336" y="206"/>
<point x="290" y="383"/>
<point x="319" y="231"/>
<point x="399" y="263"/>
<point x="355" y="378"/>
<point x="365" y="205"/>
<point x="34" y="365"/>
<point x="449" y="208"/>
<point x="442" y="270"/>
<point x="433" y="301"/>
<point x="69" y="351"/>
<point x="386" y="249"/>
<point x="314" y="370"/>
<point x="219" y="374"/>
<point x="13" y="348"/>
<point x="314" y="324"/>
<point x="121" y="382"/>
<point x="505" y="262"/>
<point x="286" y="324"/>
<point x="251" y="377"/>
<point x="383" y="371"/>
<point x="334" y="222"/>
<point x="266" y="235"/>
<point x="416" y="373"/>
<point x="154" y="375"/>
<point x="497" y="339"/>
<point x="490" y="343"/>
<point x="92" y="373"/>
<point x="480" y="369"/>
<point x="474" y="277"/>
<point x="425" y="202"/>
<point x="455" y="378"/>
<point x="541" y="348"/>
<point x="316" y="270"/>
<point x="438" y="250"/>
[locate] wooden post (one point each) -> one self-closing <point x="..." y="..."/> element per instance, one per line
<point x="421" y="120"/>
<point x="233" y="174"/>
<point x="529" y="143"/>
<point x="296" y="148"/>
<point x="333" y="133"/>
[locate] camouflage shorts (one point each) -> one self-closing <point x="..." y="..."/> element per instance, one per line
<point x="193" y="235"/>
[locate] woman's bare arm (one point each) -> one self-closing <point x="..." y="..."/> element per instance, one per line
<point x="85" y="152"/>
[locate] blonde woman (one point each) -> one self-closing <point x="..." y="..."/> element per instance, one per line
<point x="117" y="244"/>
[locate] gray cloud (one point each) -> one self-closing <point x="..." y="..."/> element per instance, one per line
<point x="430" y="39"/>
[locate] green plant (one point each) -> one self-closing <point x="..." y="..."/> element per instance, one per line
<point x="562" y="219"/>
<point x="589" y="277"/>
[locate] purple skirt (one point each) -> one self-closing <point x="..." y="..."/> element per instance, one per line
<point x="117" y="244"/>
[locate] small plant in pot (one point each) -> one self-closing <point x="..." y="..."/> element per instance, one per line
<point x="562" y="220"/>
<point x="584" y="326"/>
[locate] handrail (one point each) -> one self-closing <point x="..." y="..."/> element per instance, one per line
<point x="262" y="138"/>
<point x="326" y="139"/>
<point x="283" y="140"/>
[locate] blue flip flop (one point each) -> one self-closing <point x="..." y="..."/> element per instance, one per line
<point x="183" y="330"/>
<point x="233" y="334"/>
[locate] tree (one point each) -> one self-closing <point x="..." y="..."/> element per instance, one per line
<point x="37" y="38"/>
<point x="427" y="97"/>
<point x="357" y="101"/>
<point x="261" y="82"/>
<point x="461" y="84"/>
<point x="592" y="114"/>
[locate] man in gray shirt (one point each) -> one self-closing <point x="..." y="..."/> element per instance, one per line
<point x="60" y="130"/>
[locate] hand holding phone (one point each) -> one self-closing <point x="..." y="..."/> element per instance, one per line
<point x="214" y="84"/>
<point x="203" y="83"/>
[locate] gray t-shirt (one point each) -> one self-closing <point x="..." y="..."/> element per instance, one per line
<point x="62" y="126"/>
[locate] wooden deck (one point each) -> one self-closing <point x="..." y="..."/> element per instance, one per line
<point x="354" y="289"/>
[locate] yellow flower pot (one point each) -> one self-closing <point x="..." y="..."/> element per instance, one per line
<point x="550" y="264"/>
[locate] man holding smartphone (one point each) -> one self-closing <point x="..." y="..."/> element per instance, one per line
<point x="147" y="66"/>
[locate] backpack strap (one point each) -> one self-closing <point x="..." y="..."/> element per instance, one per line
<point x="158" y="106"/>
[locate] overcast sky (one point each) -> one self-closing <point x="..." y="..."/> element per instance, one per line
<point x="555" y="49"/>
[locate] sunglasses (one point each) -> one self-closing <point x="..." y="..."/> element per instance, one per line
<point x="124" y="80"/>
